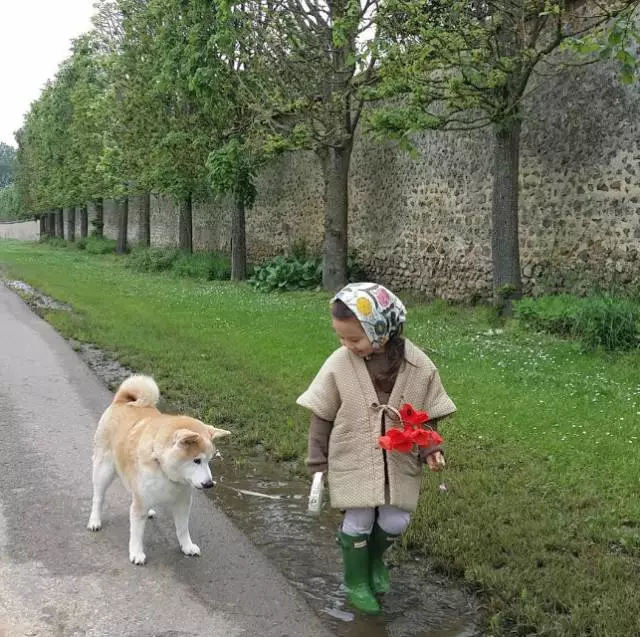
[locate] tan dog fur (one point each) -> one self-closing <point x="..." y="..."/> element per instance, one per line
<point x="159" y="458"/>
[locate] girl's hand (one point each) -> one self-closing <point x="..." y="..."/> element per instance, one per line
<point x="435" y="461"/>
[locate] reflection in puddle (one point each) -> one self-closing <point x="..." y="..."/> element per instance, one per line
<point x="272" y="512"/>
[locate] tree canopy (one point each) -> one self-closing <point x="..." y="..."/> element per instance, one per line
<point x="190" y="99"/>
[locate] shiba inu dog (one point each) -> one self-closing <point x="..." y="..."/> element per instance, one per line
<point x="160" y="458"/>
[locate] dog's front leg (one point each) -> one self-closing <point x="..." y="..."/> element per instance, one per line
<point x="137" y="519"/>
<point x="181" y="510"/>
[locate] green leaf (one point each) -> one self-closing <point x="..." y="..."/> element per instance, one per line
<point x="628" y="75"/>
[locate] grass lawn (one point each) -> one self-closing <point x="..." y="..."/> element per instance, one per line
<point x="542" y="512"/>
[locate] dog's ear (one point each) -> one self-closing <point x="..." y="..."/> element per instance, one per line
<point x="186" y="437"/>
<point x="214" y="432"/>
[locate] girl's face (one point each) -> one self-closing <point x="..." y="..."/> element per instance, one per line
<point x="352" y="336"/>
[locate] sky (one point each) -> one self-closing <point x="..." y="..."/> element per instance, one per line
<point x="35" y="36"/>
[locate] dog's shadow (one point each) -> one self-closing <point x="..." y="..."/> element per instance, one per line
<point x="160" y="542"/>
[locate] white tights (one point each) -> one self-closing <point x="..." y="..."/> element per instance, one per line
<point x="390" y="519"/>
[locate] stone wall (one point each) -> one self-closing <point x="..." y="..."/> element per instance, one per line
<point x="21" y="230"/>
<point x="424" y="223"/>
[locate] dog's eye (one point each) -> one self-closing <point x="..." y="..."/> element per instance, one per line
<point x="197" y="461"/>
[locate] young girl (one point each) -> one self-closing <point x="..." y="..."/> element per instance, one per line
<point x="376" y="368"/>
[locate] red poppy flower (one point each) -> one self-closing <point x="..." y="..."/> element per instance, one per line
<point x="412" y="417"/>
<point x="426" y="437"/>
<point x="385" y="443"/>
<point x="420" y="437"/>
<point x="404" y="446"/>
<point x="403" y="440"/>
<point x="396" y="440"/>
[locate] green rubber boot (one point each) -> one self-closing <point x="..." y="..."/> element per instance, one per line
<point x="355" y="553"/>
<point x="379" y="542"/>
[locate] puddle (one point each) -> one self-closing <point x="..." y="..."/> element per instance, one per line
<point x="36" y="300"/>
<point x="270" y="506"/>
<point x="420" y="604"/>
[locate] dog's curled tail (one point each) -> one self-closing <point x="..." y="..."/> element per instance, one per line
<point x="138" y="391"/>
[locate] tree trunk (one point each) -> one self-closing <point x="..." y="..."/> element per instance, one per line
<point x="59" y="223"/>
<point x="144" y="220"/>
<point x="505" y="248"/>
<point x="71" y="224"/>
<point x="51" y="224"/>
<point x="123" y="223"/>
<point x="238" y="243"/>
<point x="84" y="222"/>
<point x="335" y="163"/>
<point x="185" y="225"/>
<point x="43" y="226"/>
<point x="98" y="222"/>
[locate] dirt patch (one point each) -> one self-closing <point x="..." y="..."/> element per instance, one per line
<point x="104" y="365"/>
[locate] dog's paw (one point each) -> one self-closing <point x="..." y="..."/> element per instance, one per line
<point x="191" y="549"/>
<point x="137" y="557"/>
<point x="94" y="525"/>
<point x="151" y="514"/>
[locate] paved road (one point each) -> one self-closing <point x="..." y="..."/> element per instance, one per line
<point x="57" y="578"/>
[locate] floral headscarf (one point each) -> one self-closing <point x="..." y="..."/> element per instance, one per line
<point x="379" y="311"/>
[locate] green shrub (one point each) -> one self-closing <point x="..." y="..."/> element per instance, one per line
<point x="287" y="273"/>
<point x="552" y="314"/>
<point x="100" y="245"/>
<point x="609" y="323"/>
<point x="203" y="265"/>
<point x="597" y="321"/>
<point x="220" y="267"/>
<point x="192" y="266"/>
<point x="152" y="259"/>
<point x="200" y="265"/>
<point x="297" y="273"/>
<point x="81" y="244"/>
<point x="54" y="242"/>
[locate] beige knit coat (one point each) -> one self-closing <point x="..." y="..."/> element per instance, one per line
<point x="360" y="473"/>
